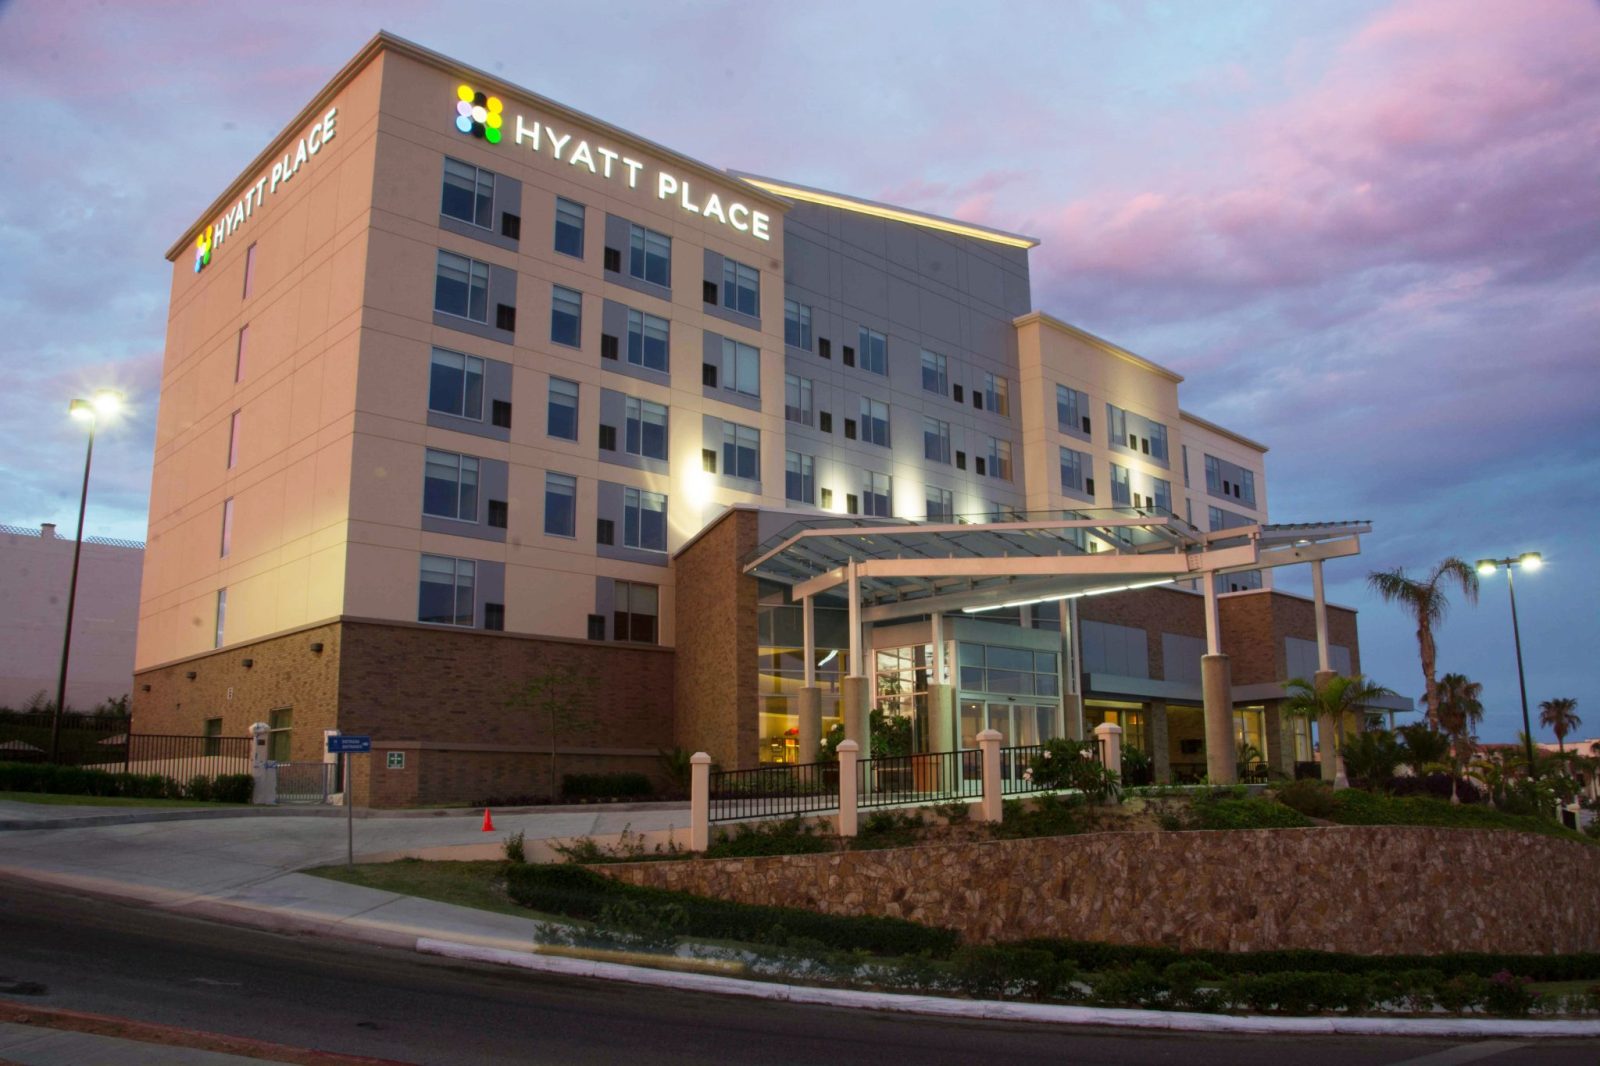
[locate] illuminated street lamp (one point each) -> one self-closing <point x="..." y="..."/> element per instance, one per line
<point x="104" y="404"/>
<point x="1487" y="567"/>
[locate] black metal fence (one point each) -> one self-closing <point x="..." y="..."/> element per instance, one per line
<point x="929" y="777"/>
<point x="104" y="743"/>
<point x="182" y="758"/>
<point x="779" y="790"/>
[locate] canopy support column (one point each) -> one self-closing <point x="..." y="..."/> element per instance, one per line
<point x="809" y="733"/>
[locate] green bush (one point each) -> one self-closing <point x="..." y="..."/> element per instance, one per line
<point x="1041" y="816"/>
<point x="1002" y="971"/>
<point x="1310" y="797"/>
<point x="515" y="847"/>
<point x="1244" y="812"/>
<point x="198" y="788"/>
<point x="888" y="829"/>
<point x="81" y="781"/>
<point x="1184" y="985"/>
<point x="1063" y="763"/>
<point x="793" y="836"/>
<point x="1461" y="993"/>
<point x="1138" y="985"/>
<point x="605" y="786"/>
<point x="1356" y="807"/>
<point x="233" y="788"/>
<point x="580" y="893"/>
<point x="1508" y="994"/>
<point x="1300" y="992"/>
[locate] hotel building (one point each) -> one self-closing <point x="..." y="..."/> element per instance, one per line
<point x="463" y="387"/>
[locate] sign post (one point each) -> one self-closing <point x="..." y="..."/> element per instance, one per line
<point x="348" y="745"/>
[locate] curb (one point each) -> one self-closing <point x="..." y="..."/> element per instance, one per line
<point x="132" y="817"/>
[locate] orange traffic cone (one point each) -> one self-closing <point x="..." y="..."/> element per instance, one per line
<point x="488" y="823"/>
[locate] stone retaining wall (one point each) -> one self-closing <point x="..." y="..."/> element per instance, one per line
<point x="1359" y="889"/>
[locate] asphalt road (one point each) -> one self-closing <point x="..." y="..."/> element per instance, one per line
<point x="139" y="962"/>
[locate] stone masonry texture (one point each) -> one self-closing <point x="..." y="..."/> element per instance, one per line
<point x="1376" y="890"/>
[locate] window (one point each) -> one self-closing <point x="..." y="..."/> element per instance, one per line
<point x="461" y="287"/>
<point x="1121" y="491"/>
<point x="874" y="351"/>
<point x="935" y="373"/>
<point x="644" y="520"/>
<point x="1075" y="467"/>
<point x="799" y="478"/>
<point x="635" y="608"/>
<point x="1072" y="410"/>
<point x="597" y="627"/>
<point x="935" y="440"/>
<point x="1008" y="671"/>
<point x="741" y="288"/>
<point x="238" y="357"/>
<point x="1230" y="480"/>
<point x="999" y="458"/>
<point x="741" y="451"/>
<point x="450" y="486"/>
<point x="494" y="616"/>
<point x="455" y="385"/>
<point x="569" y="228"/>
<point x="1247" y="482"/>
<point x="874" y="421"/>
<point x="645" y="428"/>
<point x="649" y="256"/>
<point x="499" y="514"/>
<point x="566" y="316"/>
<point x="797" y="399"/>
<point x="741" y="367"/>
<point x="562" y="413"/>
<point x="941" y="504"/>
<point x="796" y="324"/>
<point x="1185" y="466"/>
<point x="1162" y="494"/>
<point x="468" y="193"/>
<point x="249" y="270"/>
<point x="996" y="394"/>
<point x="227" y="526"/>
<point x="647" y="341"/>
<point x="1136" y="433"/>
<point x="560" y="505"/>
<point x="233" y="439"/>
<point x="875" y="493"/>
<point x="211" y="729"/>
<point x="446" y="596"/>
<point x="279" y="731"/>
<point x="222" y="615"/>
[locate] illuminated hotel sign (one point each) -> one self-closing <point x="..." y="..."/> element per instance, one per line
<point x="320" y="133"/>
<point x="482" y="116"/>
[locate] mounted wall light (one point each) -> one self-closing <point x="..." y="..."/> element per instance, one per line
<point x="248" y="663"/>
<point x="316" y="648"/>
<point x="191" y="675"/>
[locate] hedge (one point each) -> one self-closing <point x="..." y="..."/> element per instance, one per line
<point x="81" y="781"/>
<point x="605" y="786"/>
<point x="580" y="893"/>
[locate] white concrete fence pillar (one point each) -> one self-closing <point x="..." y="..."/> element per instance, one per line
<point x="1109" y="735"/>
<point x="699" y="801"/>
<point x="849" y="751"/>
<point x="989" y="756"/>
<point x="266" y="779"/>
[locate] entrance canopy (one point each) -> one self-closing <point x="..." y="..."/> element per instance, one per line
<point x="904" y="568"/>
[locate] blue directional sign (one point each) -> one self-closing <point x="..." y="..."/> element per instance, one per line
<point x="349" y="745"/>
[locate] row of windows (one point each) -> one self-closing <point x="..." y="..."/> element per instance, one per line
<point x="448" y="594"/>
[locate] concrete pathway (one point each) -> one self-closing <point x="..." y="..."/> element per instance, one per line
<point x="29" y="1045"/>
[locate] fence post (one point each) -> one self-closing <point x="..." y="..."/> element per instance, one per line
<point x="699" y="801"/>
<point x="989" y="749"/>
<point x="266" y="778"/>
<point x="848" y="752"/>
<point x="1110" y="737"/>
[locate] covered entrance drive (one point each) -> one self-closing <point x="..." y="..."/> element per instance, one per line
<point x="928" y="587"/>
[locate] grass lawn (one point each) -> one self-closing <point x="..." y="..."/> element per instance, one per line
<point x="466" y="884"/>
<point x="63" y="800"/>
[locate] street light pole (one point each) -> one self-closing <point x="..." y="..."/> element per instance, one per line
<point x="1531" y="560"/>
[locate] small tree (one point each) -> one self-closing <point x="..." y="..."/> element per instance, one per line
<point x="1426" y="602"/>
<point x="1460" y="703"/>
<point x="553" y="697"/>
<point x="1337" y="697"/>
<point x="1560" y="717"/>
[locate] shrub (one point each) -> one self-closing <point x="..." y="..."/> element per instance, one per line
<point x="198" y="788"/>
<point x="1184" y="990"/>
<point x="1310" y="797"/>
<point x="515" y="849"/>
<point x="1300" y="992"/>
<point x="999" y="971"/>
<point x="793" y="836"/>
<point x="1043" y="816"/>
<point x="1372" y="757"/>
<point x="1137" y="768"/>
<point x="1508" y="994"/>
<point x="1244" y="812"/>
<point x="82" y="781"/>
<point x="888" y="829"/>
<point x="1136" y="986"/>
<point x="1063" y="763"/>
<point x="605" y="786"/>
<point x="233" y="788"/>
<point x="1461" y="993"/>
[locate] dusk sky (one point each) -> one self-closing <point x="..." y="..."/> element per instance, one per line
<point x="1368" y="233"/>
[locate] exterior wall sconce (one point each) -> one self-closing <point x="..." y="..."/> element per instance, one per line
<point x="248" y="663"/>
<point x="146" y="688"/>
<point x="316" y="648"/>
<point x="191" y="675"/>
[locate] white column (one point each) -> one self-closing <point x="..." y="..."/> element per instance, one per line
<point x="808" y="616"/>
<point x="1110" y="737"/>
<point x="1323" y="663"/>
<point x="848" y="751"/>
<point x="937" y="640"/>
<point x="854" y="586"/>
<point x="989" y="749"/>
<point x="699" y="801"/>
<point x="266" y="778"/>
<point x="1213" y="624"/>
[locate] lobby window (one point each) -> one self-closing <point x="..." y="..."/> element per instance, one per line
<point x="797" y="399"/>
<point x="222" y="617"/>
<point x="796" y="324"/>
<point x="560" y="505"/>
<point x="450" y="486"/>
<point x="941" y="504"/>
<point x="468" y="193"/>
<point x="635" y="610"/>
<point x="455" y="385"/>
<point x="569" y="228"/>
<point x="799" y="478"/>
<point x="999" y="464"/>
<point x="644" y="520"/>
<point x="238" y="355"/>
<point x="566" y="316"/>
<point x="650" y="256"/>
<point x="561" y="418"/>
<point x="233" y="439"/>
<point x="647" y="341"/>
<point x="645" y="429"/>
<point x="874" y="421"/>
<point x="741" y="367"/>
<point x="741" y="451"/>
<point x="741" y="288"/>
<point x="996" y="394"/>
<point x="1072" y="410"/>
<point x="249" y="270"/>
<point x="935" y="440"/>
<point x="935" y="373"/>
<point x="874" y="351"/>
<point x="1121" y="491"/>
<point x="876" y="492"/>
<point x="446" y="597"/>
<point x="461" y="287"/>
<point x="227" y="527"/>
<point x="1076" y="466"/>
<point x="280" y="730"/>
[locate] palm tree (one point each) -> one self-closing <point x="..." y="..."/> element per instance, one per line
<point x="1559" y="716"/>
<point x="1460" y="703"/>
<point x="1425" y="601"/>
<point x="1336" y="697"/>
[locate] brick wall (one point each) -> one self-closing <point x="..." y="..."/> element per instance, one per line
<point x="715" y="696"/>
<point x="1254" y="626"/>
<point x="1156" y="611"/>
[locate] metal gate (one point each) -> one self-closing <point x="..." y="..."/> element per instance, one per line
<point x="307" y="782"/>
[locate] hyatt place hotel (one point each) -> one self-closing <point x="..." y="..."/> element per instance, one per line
<point x="464" y="388"/>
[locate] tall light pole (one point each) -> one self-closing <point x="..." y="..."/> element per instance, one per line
<point x="105" y="402"/>
<point x="1528" y="561"/>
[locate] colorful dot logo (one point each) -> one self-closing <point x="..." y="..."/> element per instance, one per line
<point x="202" y="249"/>
<point x="478" y="114"/>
